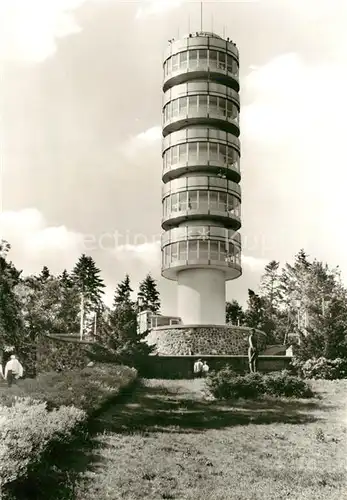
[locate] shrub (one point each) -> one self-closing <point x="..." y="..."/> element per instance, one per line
<point x="87" y="389"/>
<point x="34" y="427"/>
<point x="218" y="382"/>
<point x="285" y="384"/>
<point x="226" y="384"/>
<point x="26" y="429"/>
<point x="321" y="368"/>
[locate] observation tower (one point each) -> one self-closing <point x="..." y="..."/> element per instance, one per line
<point x="201" y="196"/>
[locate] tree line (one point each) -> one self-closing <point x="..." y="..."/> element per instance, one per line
<point x="70" y="303"/>
<point x="306" y="298"/>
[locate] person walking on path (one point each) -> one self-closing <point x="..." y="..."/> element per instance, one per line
<point x="13" y="370"/>
<point x="252" y="352"/>
<point x="198" y="368"/>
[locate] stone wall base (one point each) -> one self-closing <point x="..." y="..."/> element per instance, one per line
<point x="176" y="367"/>
<point x="203" y="340"/>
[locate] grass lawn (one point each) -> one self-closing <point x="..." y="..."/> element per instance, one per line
<point x="171" y="442"/>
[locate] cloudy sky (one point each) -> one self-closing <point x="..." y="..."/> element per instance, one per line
<point x="80" y="109"/>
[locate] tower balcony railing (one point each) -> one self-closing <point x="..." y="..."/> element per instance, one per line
<point x="224" y="170"/>
<point x="202" y="135"/>
<point x="192" y="63"/>
<point x="208" y="116"/>
<point x="204" y="232"/>
<point x="200" y="183"/>
<point x="228" y="217"/>
<point x="201" y="43"/>
<point x="204" y="65"/>
<point x="201" y="93"/>
<point x="195" y="254"/>
<point x="202" y="112"/>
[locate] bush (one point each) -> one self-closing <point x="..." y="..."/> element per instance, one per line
<point x="286" y="385"/>
<point x="87" y="389"/>
<point x="26" y="430"/>
<point x="321" y="368"/>
<point x="41" y="415"/>
<point x="226" y="384"/>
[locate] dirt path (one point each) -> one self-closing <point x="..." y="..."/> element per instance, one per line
<point x="170" y="442"/>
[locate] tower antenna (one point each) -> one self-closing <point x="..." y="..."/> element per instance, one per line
<point x="188" y="24"/>
<point x="201" y="15"/>
<point x="212" y="23"/>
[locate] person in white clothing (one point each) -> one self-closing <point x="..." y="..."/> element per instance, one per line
<point x="198" y="368"/>
<point x="205" y="369"/>
<point x="13" y="370"/>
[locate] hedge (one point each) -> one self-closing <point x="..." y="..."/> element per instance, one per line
<point x="225" y="384"/>
<point x="41" y="413"/>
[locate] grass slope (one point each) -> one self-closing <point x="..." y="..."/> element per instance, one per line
<point x="170" y="442"/>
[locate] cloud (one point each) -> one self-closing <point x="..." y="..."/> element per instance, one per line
<point x="156" y="7"/>
<point x="29" y="28"/>
<point x="142" y="141"/>
<point x="253" y="264"/>
<point x="34" y="244"/>
<point x="293" y="125"/>
<point x="148" y="254"/>
<point x="290" y="99"/>
<point x="150" y="135"/>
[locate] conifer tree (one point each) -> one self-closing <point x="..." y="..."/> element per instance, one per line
<point x="255" y="313"/>
<point x="123" y="292"/>
<point x="86" y="277"/>
<point x="45" y="275"/>
<point x="148" y="296"/>
<point x="234" y="313"/>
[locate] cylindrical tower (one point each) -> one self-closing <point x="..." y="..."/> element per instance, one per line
<point x="201" y="196"/>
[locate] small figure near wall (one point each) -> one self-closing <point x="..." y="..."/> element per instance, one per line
<point x="198" y="368"/>
<point x="252" y="352"/>
<point x="205" y="369"/>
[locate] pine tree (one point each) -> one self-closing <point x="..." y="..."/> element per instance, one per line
<point x="269" y="286"/>
<point x="121" y="343"/>
<point x="255" y="313"/>
<point x="45" y="274"/>
<point x="234" y="313"/>
<point x="271" y="296"/>
<point x="86" y="277"/>
<point x="70" y="304"/>
<point x="123" y="292"/>
<point x="148" y="296"/>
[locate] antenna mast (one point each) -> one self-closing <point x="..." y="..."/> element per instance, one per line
<point x="201" y="15"/>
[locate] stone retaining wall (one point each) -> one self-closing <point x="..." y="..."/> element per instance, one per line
<point x="175" y="367"/>
<point x="203" y="340"/>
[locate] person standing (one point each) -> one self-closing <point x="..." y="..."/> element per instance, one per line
<point x="198" y="368"/>
<point x="205" y="369"/>
<point x="252" y="352"/>
<point x="13" y="370"/>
